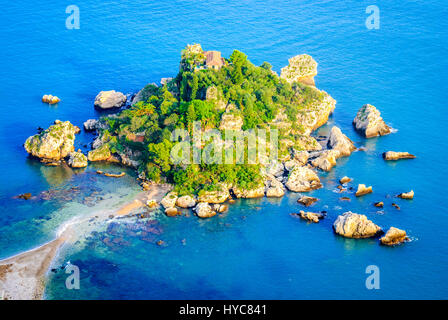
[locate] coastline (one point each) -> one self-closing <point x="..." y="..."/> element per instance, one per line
<point x="23" y="276"/>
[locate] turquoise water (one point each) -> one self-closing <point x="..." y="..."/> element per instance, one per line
<point x="256" y="250"/>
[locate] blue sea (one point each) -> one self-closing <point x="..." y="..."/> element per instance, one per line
<point x="256" y="250"/>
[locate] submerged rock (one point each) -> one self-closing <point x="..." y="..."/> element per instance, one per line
<point x="307" y="201"/>
<point x="169" y="201"/>
<point x="220" y="208"/>
<point x="368" y="121"/>
<point x="186" y="202"/>
<point x="379" y="204"/>
<point x="301" y="157"/>
<point x="363" y="190"/>
<point x="312" y="217"/>
<point x="77" y="160"/>
<point x="392" y="155"/>
<point x="407" y="195"/>
<point x="301" y="68"/>
<point x="110" y="99"/>
<point x="55" y="143"/>
<point x="303" y="179"/>
<point x="340" y="142"/>
<point x="353" y="225"/>
<point x="394" y="236"/>
<point x="24" y="196"/>
<point x="396" y="206"/>
<point x="204" y="210"/>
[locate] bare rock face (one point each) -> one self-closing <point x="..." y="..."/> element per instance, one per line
<point x="407" y="195"/>
<point x="274" y="188"/>
<point x="392" y="155"/>
<point x="303" y="179"/>
<point x="369" y="122"/>
<point x="230" y="121"/>
<point x="353" y="225"/>
<point x="326" y="160"/>
<point x="394" y="236"/>
<point x="301" y="68"/>
<point x="186" y="202"/>
<point x="169" y="201"/>
<point x="91" y="125"/>
<point x="340" y="142"/>
<point x="363" y="190"/>
<point x="249" y="193"/>
<point x="55" y="143"/>
<point x="216" y="196"/>
<point x="77" y="160"/>
<point x="301" y="157"/>
<point x="311" y="217"/>
<point x="204" y="210"/>
<point x="110" y="99"/>
<point x="275" y="168"/>
<point x="101" y="154"/>
<point x="316" y="115"/>
<point x="220" y="208"/>
<point x="307" y="201"/>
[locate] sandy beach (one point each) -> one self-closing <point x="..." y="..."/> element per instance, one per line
<point x="22" y="277"/>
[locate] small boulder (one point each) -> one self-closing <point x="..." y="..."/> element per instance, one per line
<point x="151" y="203"/>
<point x="363" y="190"/>
<point x="326" y="160"/>
<point x="169" y="201"/>
<point x="301" y="157"/>
<point x="307" y="201"/>
<point x="24" y="196"/>
<point x="110" y="99"/>
<point x="340" y="142"/>
<point x="394" y="236"/>
<point x="353" y="225"/>
<point x="303" y="179"/>
<point x="204" y="210"/>
<point x="91" y="125"/>
<point x="392" y="155"/>
<point x="407" y="195"/>
<point x="311" y="217"/>
<point x="379" y="204"/>
<point x="369" y="122"/>
<point x="186" y="202"/>
<point x="345" y="180"/>
<point x="172" y="212"/>
<point x="396" y="206"/>
<point x="48" y="98"/>
<point x="77" y="160"/>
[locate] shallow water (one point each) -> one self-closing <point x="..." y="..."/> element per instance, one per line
<point x="256" y="250"/>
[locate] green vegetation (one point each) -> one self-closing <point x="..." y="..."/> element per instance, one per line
<point x="256" y="93"/>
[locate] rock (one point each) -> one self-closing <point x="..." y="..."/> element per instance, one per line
<point x="369" y="122"/>
<point x="340" y="142"/>
<point x="91" y="125"/>
<point x="24" y="196"/>
<point x="186" y="202"/>
<point x="274" y="188"/>
<point x="345" y="180"/>
<point x="101" y="154"/>
<point x="55" y="143"/>
<point x="303" y="179"/>
<point x="307" y="201"/>
<point x="379" y="204"/>
<point x="345" y="199"/>
<point x="169" y="201"/>
<point x="312" y="217"/>
<point x="220" y="208"/>
<point x="275" y="168"/>
<point x="111" y="175"/>
<point x="301" y="68"/>
<point x="301" y="157"/>
<point x="77" y="160"/>
<point x="396" y="206"/>
<point x="216" y="196"/>
<point x="203" y="210"/>
<point x="151" y="203"/>
<point x="407" y="195"/>
<point x="392" y="155"/>
<point x="363" y="190"/>
<point x="314" y="116"/>
<point x="230" y="121"/>
<point x="110" y="99"/>
<point x="48" y="98"/>
<point x="326" y="160"/>
<point x="249" y="193"/>
<point x="172" y="212"/>
<point x="394" y="236"/>
<point x="353" y="225"/>
<point x="291" y="164"/>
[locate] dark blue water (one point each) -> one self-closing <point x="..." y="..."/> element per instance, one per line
<point x="256" y="250"/>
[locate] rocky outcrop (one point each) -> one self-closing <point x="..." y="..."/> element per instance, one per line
<point x="301" y="157"/>
<point x="340" y="142"/>
<point x="215" y="196"/>
<point x="407" y="195"/>
<point x="55" y="143"/>
<point x="326" y="160"/>
<point x="301" y="68"/>
<point x="311" y="217"/>
<point x="172" y="212"/>
<point x="230" y="121"/>
<point x="275" y="168"/>
<point x="101" y="154"/>
<point x="274" y="188"/>
<point x="249" y="193"/>
<point x="214" y="95"/>
<point x="394" y="236"/>
<point x="316" y="115"/>
<point x="91" y="125"/>
<point x="353" y="225"/>
<point x="110" y="99"/>
<point x="363" y="190"/>
<point x="303" y="179"/>
<point x="345" y="180"/>
<point x="392" y="155"/>
<point x="307" y="201"/>
<point x="186" y="202"/>
<point x="204" y="210"/>
<point x="169" y="201"/>
<point x="48" y="98"/>
<point x="77" y="160"/>
<point x="369" y="122"/>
